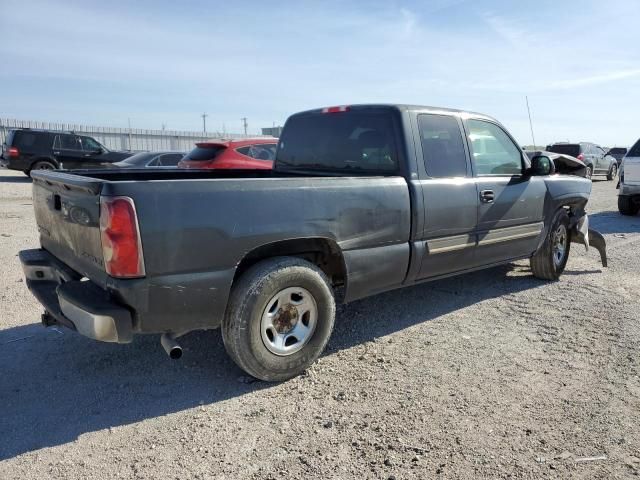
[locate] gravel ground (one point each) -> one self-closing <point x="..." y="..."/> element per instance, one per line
<point x="493" y="374"/>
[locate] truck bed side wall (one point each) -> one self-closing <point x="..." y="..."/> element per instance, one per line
<point x="195" y="233"/>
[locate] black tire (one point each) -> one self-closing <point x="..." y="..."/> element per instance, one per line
<point x="613" y="171"/>
<point x="250" y="296"/>
<point x="626" y="206"/>
<point x="42" y="165"/>
<point x="543" y="264"/>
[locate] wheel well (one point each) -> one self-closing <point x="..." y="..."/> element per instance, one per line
<point x="43" y="159"/>
<point x="323" y="252"/>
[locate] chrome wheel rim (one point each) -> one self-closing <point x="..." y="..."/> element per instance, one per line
<point x="559" y="248"/>
<point x="44" y="166"/>
<point x="588" y="172"/>
<point x="614" y="171"/>
<point x="288" y="321"/>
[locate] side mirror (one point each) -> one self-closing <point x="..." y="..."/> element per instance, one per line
<point x="542" y="165"/>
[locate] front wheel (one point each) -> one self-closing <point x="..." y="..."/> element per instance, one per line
<point x="613" y="172"/>
<point x="549" y="261"/>
<point x="279" y="319"/>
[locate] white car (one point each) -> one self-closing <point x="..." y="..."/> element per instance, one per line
<point x="629" y="195"/>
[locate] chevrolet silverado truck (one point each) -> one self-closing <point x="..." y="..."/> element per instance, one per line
<point x="362" y="199"/>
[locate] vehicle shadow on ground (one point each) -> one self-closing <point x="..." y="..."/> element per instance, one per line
<point x="16" y="179"/>
<point x="56" y="385"/>
<point x="614" y="222"/>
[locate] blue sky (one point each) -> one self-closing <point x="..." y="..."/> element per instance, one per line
<point x="160" y="62"/>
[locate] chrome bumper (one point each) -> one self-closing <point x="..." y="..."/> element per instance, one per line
<point x="80" y="305"/>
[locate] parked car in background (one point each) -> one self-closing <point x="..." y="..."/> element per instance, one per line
<point x="629" y="194"/>
<point x="151" y="160"/>
<point x="365" y="198"/>
<point x="29" y="149"/>
<point x="247" y="153"/>
<point x="597" y="161"/>
<point x="618" y="153"/>
<point x="562" y="164"/>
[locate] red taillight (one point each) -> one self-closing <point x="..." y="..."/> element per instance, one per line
<point x="120" y="235"/>
<point x="13" y="152"/>
<point x="581" y="157"/>
<point x="341" y="108"/>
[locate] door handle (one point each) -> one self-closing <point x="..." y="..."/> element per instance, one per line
<point x="487" y="196"/>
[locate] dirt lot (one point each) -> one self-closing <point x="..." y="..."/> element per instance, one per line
<point x="492" y="374"/>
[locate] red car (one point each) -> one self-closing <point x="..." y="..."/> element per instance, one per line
<point x="246" y="153"/>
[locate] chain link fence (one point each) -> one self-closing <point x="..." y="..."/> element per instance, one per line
<point x="132" y="139"/>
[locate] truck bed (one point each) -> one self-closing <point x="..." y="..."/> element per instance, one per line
<point x="197" y="226"/>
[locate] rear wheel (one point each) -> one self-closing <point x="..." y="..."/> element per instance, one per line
<point x="42" y="165"/>
<point x="280" y="317"/>
<point x="613" y="172"/>
<point x="626" y="205"/>
<point x="589" y="173"/>
<point x="549" y="261"/>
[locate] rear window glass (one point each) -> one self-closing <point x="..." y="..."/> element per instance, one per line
<point x="618" y="150"/>
<point x="635" y="150"/>
<point x="9" y="139"/>
<point x="353" y="142"/>
<point x="25" y="139"/>
<point x="200" y="154"/>
<point x="565" y="149"/>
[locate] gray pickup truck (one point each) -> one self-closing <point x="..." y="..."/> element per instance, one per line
<point x="367" y="198"/>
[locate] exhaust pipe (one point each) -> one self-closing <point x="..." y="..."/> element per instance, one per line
<point x="173" y="348"/>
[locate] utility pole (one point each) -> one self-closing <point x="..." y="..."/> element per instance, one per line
<point x="204" y="124"/>
<point x="530" y="122"/>
<point x="245" y="125"/>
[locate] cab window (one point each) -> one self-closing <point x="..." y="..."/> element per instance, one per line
<point x="493" y="152"/>
<point x="442" y="146"/>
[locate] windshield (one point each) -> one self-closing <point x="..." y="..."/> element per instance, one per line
<point x="572" y="149"/>
<point x="139" y="158"/>
<point x="358" y="141"/>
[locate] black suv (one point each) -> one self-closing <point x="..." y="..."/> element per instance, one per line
<point x="28" y="149"/>
<point x="597" y="161"/>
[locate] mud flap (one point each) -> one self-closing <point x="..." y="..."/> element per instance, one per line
<point x="588" y="237"/>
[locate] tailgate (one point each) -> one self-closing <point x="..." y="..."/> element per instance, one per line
<point x="67" y="209"/>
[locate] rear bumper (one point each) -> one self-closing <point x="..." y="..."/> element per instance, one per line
<point x="80" y="305"/>
<point x="626" y="189"/>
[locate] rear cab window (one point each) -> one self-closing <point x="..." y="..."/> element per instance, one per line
<point x="359" y="141"/>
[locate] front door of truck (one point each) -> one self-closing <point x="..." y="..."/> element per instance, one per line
<point x="510" y="208"/>
<point x="449" y="196"/>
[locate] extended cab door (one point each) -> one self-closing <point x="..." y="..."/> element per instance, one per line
<point x="510" y="208"/>
<point x="449" y="196"/>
